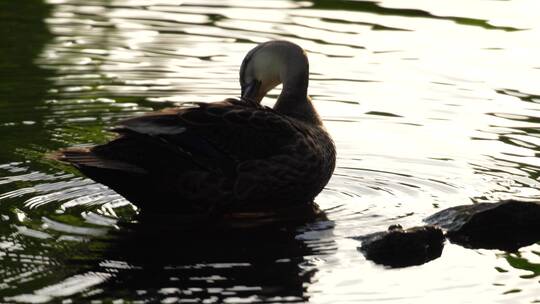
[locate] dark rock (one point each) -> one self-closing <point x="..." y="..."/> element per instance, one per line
<point x="507" y="225"/>
<point x="401" y="248"/>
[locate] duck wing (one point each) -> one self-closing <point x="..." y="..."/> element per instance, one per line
<point x="214" y="133"/>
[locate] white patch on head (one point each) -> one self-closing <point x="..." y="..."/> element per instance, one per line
<point x="271" y="63"/>
<point x="265" y="66"/>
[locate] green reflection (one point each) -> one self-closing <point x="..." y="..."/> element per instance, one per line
<point x="23" y="84"/>
<point x="375" y="8"/>
<point x="518" y="262"/>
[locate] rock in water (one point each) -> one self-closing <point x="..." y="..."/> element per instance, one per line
<point x="401" y="248"/>
<point x="507" y="225"/>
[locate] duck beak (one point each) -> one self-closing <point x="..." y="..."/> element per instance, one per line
<point x="251" y="90"/>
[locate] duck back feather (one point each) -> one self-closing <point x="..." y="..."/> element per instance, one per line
<point x="211" y="157"/>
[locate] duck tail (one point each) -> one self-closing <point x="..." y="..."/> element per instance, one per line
<point x="86" y="158"/>
<point x="69" y="155"/>
<point x="126" y="179"/>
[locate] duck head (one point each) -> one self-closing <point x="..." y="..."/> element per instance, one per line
<point x="272" y="63"/>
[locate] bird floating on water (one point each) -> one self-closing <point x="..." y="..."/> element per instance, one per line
<point x="230" y="156"/>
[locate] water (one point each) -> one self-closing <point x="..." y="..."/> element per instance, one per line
<point x="431" y="105"/>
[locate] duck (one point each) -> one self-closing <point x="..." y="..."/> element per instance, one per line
<point x="235" y="155"/>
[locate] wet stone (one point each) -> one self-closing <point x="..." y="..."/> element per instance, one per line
<point x="507" y="225"/>
<point x="398" y="247"/>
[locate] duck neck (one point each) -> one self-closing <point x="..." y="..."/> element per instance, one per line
<point x="297" y="107"/>
<point x="294" y="101"/>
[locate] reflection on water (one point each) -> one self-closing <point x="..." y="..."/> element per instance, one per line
<point x="152" y="261"/>
<point x="22" y="82"/>
<point x="431" y="105"/>
<point x="266" y="264"/>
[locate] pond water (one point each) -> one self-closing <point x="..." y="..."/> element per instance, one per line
<point x="432" y="104"/>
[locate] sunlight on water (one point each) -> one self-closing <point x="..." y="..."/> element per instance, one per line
<point x="431" y="104"/>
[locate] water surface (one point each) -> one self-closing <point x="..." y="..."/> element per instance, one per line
<point x="431" y="105"/>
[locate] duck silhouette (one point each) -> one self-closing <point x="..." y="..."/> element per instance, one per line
<point x="230" y="156"/>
